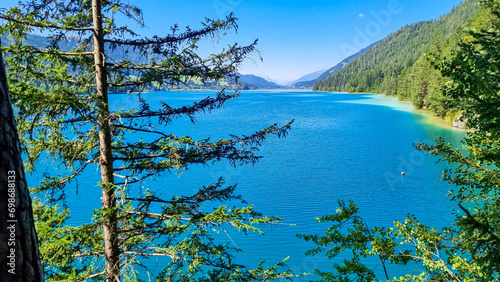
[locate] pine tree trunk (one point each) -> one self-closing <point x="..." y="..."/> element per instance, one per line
<point x="110" y="225"/>
<point x="19" y="255"/>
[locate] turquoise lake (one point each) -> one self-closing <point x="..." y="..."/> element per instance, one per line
<point x="341" y="146"/>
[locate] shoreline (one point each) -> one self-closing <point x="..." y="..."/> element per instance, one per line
<point x="431" y="118"/>
<point x="427" y="116"/>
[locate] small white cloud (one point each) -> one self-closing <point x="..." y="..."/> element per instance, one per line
<point x="361" y="15"/>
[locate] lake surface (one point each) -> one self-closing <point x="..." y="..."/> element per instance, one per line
<point x="341" y="146"/>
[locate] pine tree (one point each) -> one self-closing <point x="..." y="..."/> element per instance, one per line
<point x="61" y="90"/>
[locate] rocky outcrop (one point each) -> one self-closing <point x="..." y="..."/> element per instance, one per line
<point x="458" y="122"/>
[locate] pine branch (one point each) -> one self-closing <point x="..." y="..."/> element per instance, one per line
<point x="171" y="136"/>
<point x="137" y="179"/>
<point x="210" y="28"/>
<point x="223" y="149"/>
<point x="192" y="71"/>
<point x="128" y="84"/>
<point x="158" y="254"/>
<point x="50" y="52"/>
<point x="64" y="180"/>
<point x="156" y="215"/>
<point x="208" y="103"/>
<point x="39" y="75"/>
<point x="90" y="276"/>
<point x="484" y="227"/>
<point x="42" y="25"/>
<point x="145" y="157"/>
<point x="150" y="199"/>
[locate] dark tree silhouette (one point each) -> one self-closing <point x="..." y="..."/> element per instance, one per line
<point x="19" y="256"/>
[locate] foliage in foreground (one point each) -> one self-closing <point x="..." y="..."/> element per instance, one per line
<point x="469" y="249"/>
<point x="400" y="66"/>
<point x="61" y="92"/>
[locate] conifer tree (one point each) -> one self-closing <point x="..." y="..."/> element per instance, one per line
<point x="61" y="89"/>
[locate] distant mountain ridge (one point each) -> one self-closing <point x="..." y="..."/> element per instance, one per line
<point x="257" y="81"/>
<point x="310" y="83"/>
<point x="268" y="78"/>
<point x="308" y="77"/>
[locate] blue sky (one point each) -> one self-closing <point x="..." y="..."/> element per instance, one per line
<point x="295" y="37"/>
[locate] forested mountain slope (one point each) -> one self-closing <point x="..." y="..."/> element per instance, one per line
<point x="399" y="66"/>
<point x="422" y="83"/>
<point x="334" y="69"/>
